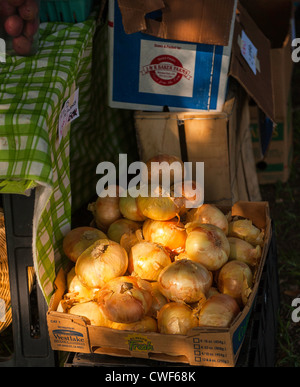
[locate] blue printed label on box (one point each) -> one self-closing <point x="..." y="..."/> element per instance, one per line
<point x="149" y="73"/>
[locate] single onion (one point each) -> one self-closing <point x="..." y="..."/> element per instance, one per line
<point x="77" y="292"/>
<point x="146" y="324"/>
<point x="208" y="245"/>
<point x="156" y="171"/>
<point x="245" y="229"/>
<point x="243" y="251"/>
<point x="158" y="301"/>
<point x="129" y="239"/>
<point x="147" y="260"/>
<point x="170" y="234"/>
<point x="235" y="279"/>
<point x="218" y="311"/>
<point x="208" y="214"/>
<point x="187" y="195"/>
<point x="101" y="262"/>
<point x="176" y="318"/>
<point x="129" y="209"/>
<point x="106" y="209"/>
<point x="120" y="227"/>
<point x="92" y="311"/>
<point x="158" y="208"/>
<point x="185" y="280"/>
<point x="79" y="239"/>
<point x="125" y="299"/>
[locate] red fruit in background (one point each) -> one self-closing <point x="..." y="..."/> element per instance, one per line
<point x="22" y="45"/>
<point x="14" y="25"/>
<point x="6" y="9"/>
<point x="29" y="10"/>
<point x="31" y="28"/>
<point x="16" y="3"/>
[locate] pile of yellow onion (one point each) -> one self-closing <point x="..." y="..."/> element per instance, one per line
<point x="153" y="265"/>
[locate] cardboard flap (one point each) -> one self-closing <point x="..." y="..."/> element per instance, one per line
<point x="272" y="17"/>
<point x="198" y="21"/>
<point x="251" y="62"/>
<point x="134" y="12"/>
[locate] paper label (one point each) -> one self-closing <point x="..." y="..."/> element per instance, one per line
<point x="249" y="52"/>
<point x="68" y="113"/>
<point x="2" y="51"/>
<point x="167" y="68"/>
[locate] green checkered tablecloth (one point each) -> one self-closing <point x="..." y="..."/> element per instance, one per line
<point x="32" y="93"/>
<point x="62" y="172"/>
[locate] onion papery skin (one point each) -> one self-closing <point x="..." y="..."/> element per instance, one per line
<point x="125" y="299"/>
<point x="158" y="300"/>
<point x="208" y="245"/>
<point x="246" y="230"/>
<point x="106" y="210"/>
<point x="93" y="312"/>
<point x="185" y="280"/>
<point x="120" y="227"/>
<point x="77" y="292"/>
<point x="236" y="279"/>
<point x="218" y="311"/>
<point x="208" y="214"/>
<point x="170" y="234"/>
<point x="176" y="318"/>
<point x="243" y="251"/>
<point x="158" y="208"/>
<point x="129" y="239"/>
<point x="147" y="260"/>
<point x="79" y="239"/>
<point x="129" y="209"/>
<point x="146" y="324"/>
<point x="101" y="262"/>
<point x="187" y="195"/>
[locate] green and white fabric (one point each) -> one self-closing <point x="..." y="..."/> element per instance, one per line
<point x="62" y="172"/>
<point x="32" y="93"/>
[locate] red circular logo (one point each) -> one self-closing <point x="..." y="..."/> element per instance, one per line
<point x="166" y="70"/>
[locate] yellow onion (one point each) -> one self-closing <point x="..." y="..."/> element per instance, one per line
<point x="125" y="299"/>
<point x="101" y="262"/>
<point x="176" y="318"/>
<point x="155" y="172"/>
<point x="79" y="239"/>
<point x="158" y="300"/>
<point x="187" y="195"/>
<point x="246" y="230"/>
<point x="185" y="280"/>
<point x="120" y="227"/>
<point x="208" y="214"/>
<point x="218" y="311"/>
<point x="158" y="208"/>
<point x="147" y="260"/>
<point x="129" y="239"/>
<point x="77" y="292"/>
<point x="92" y="311"/>
<point x="243" y="251"/>
<point x="106" y="209"/>
<point x="129" y="209"/>
<point x="208" y="245"/>
<point x="170" y="234"/>
<point x="235" y="279"/>
<point x="146" y="324"/>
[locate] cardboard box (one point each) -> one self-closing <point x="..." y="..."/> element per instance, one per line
<point x="251" y="61"/>
<point x="276" y="165"/>
<point x="221" y="140"/>
<point x="275" y="19"/>
<point x="177" y="57"/>
<point x="201" y="347"/>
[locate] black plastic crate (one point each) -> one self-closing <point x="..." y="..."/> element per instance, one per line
<point x="29" y="325"/>
<point x="259" y="347"/>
